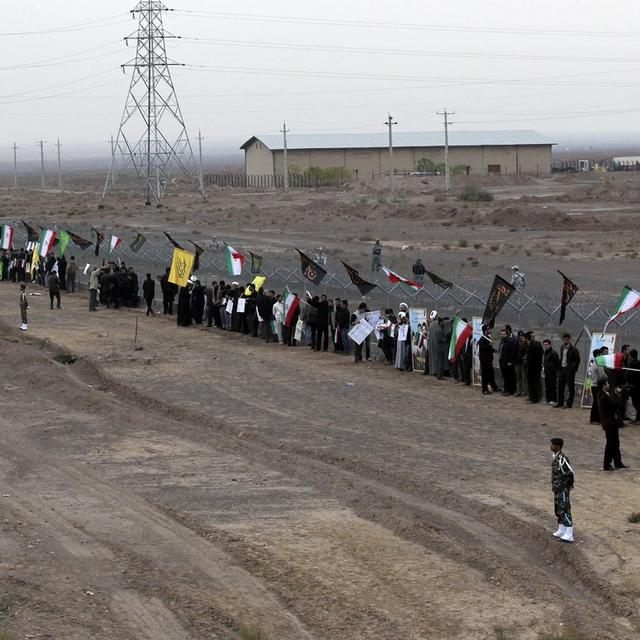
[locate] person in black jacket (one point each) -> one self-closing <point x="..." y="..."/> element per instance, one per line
<point x="569" y="363"/>
<point x="610" y="411"/>
<point x="485" y="353"/>
<point x="551" y="362"/>
<point x="149" y="293"/>
<point x="197" y="302"/>
<point x="169" y="292"/>
<point x="343" y="323"/>
<point x="633" y="379"/>
<point x="322" y="328"/>
<point x="535" y="356"/>
<point x="507" y="351"/>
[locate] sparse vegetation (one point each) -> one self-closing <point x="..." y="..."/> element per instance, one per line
<point x="249" y="633"/>
<point x="328" y="175"/>
<point x="463" y="243"/>
<point x="473" y="194"/>
<point x="634" y="518"/>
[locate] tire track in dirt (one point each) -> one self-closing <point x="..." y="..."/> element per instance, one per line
<point x="471" y="536"/>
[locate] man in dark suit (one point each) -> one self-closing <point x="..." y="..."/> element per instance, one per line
<point x="610" y="419"/>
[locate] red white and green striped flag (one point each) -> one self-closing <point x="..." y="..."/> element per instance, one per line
<point x="460" y="332"/>
<point x="291" y="303"/>
<point x="395" y="279"/>
<point x="47" y="240"/>
<point x="235" y="261"/>
<point x="612" y="361"/>
<point x="115" y="242"/>
<point x="629" y="299"/>
<point x="6" y="236"/>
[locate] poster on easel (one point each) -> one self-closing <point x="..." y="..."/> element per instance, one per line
<point x="476" y="323"/>
<point x="418" y="322"/>
<point x="597" y="342"/>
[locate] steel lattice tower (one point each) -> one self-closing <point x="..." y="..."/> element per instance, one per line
<point x="152" y="138"/>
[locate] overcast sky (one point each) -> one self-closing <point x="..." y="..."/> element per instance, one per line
<point x="564" y="68"/>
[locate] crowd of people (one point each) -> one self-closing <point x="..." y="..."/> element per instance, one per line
<point x="528" y="368"/>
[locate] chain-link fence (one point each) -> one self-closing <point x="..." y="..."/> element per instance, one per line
<point x="535" y="309"/>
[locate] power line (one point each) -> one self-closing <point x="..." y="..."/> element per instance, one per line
<point x="81" y="26"/>
<point x="411" y="53"/>
<point x="58" y="95"/>
<point x="447" y="80"/>
<point x="404" y="26"/>
<point x="58" y="84"/>
<point x="50" y="62"/>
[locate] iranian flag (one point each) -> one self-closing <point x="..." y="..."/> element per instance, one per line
<point x="6" y="237"/>
<point x="460" y="332"/>
<point x="291" y="303"/>
<point x="235" y="260"/>
<point x="47" y="240"/>
<point x="114" y="244"/>
<point x="395" y="278"/>
<point x="612" y="361"/>
<point x="629" y="299"/>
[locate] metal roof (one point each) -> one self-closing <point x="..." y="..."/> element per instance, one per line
<point x="400" y="139"/>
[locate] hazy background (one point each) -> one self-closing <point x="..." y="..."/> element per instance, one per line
<point x="569" y="70"/>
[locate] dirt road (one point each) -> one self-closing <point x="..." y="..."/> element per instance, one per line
<point x="199" y="482"/>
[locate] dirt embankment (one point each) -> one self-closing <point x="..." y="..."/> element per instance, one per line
<point x="209" y="481"/>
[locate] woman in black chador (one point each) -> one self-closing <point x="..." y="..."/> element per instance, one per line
<point x="197" y="302"/>
<point x="184" y="306"/>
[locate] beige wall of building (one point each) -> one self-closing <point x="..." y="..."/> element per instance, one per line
<point x="506" y="160"/>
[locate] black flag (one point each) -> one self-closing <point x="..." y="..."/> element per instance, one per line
<point x="32" y="234"/>
<point x="441" y="282"/>
<point x="569" y="289"/>
<point x="256" y="262"/>
<point x="199" y="252"/>
<point x="311" y="270"/>
<point x="500" y="292"/>
<point x="172" y="241"/>
<point x="99" y="239"/>
<point x="80" y="242"/>
<point x="356" y="279"/>
<point x="136" y="245"/>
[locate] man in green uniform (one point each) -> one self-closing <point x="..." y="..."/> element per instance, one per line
<point x="561" y="484"/>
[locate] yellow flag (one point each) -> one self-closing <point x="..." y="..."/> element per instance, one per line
<point x="181" y="267"/>
<point x="35" y="258"/>
<point x="258" y="281"/>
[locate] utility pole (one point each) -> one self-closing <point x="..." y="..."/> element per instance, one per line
<point x="447" y="167"/>
<point x="152" y="138"/>
<point x="15" y="165"/>
<point x="200" y="139"/>
<point x="390" y="123"/>
<point x="41" y="145"/>
<point x="59" y="165"/>
<point x="284" y="132"/>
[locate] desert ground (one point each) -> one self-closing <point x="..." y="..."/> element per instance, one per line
<point x="197" y="484"/>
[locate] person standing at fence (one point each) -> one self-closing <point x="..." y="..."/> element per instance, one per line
<point x="507" y="353"/>
<point x="551" y="362"/>
<point x="418" y="270"/>
<point x="569" y="363"/>
<point x="343" y="321"/>
<point x="149" y="293"/>
<point x="184" y="318"/>
<point x="633" y="379"/>
<point x="356" y="318"/>
<point x="322" y="329"/>
<point x="72" y="270"/>
<point x="24" y="305"/>
<point x="521" y="365"/>
<point x="376" y="256"/>
<point x="169" y="291"/>
<point x="403" y="360"/>
<point x="535" y="357"/>
<point x="485" y="355"/>
<point x="278" y="317"/>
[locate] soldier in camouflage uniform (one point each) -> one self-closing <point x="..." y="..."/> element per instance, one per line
<point x="561" y="484"/>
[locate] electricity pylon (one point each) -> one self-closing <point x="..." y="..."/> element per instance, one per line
<point x="152" y="139"/>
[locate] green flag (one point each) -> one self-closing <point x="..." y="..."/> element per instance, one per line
<point x="64" y="238"/>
